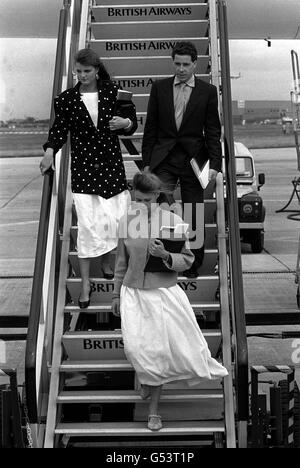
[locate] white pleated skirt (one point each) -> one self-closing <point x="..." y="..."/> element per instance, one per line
<point x="162" y="338"/>
<point x="98" y="221"/>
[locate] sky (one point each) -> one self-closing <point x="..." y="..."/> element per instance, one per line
<point x="26" y="77"/>
<point x="27" y="66"/>
<point x="266" y="72"/>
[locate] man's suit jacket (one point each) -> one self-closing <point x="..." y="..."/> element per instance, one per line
<point x="200" y="131"/>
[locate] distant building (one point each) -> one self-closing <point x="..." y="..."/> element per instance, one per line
<point x="260" y="111"/>
<point x="45" y="122"/>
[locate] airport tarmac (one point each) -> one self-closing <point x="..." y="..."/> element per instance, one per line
<point x="269" y="280"/>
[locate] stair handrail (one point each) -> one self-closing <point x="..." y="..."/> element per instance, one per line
<point x="240" y="347"/>
<point x="48" y="249"/>
<point x="214" y="44"/>
<point x="58" y="324"/>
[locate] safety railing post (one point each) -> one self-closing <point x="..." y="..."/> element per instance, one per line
<point x="237" y="289"/>
<point x="12" y="435"/>
<point x="229" y="406"/>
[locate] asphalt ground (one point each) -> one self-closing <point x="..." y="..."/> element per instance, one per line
<point x="268" y="277"/>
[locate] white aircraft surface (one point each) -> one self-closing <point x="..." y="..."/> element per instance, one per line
<point x="248" y="19"/>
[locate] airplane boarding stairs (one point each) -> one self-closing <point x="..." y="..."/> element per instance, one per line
<point x="89" y="396"/>
<point x="92" y="379"/>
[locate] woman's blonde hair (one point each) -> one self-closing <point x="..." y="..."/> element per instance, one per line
<point x="146" y="182"/>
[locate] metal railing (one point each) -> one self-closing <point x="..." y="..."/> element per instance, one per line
<point x="48" y="251"/>
<point x="11" y="435"/>
<point x="229" y="405"/>
<point x="295" y="98"/>
<point x="235" y="265"/>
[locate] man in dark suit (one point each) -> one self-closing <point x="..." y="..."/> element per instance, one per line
<point x="183" y="123"/>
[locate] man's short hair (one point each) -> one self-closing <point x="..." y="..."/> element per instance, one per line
<point x="185" y="48"/>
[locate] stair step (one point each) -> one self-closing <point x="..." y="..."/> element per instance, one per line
<point x="141" y="86"/>
<point x="131" y="396"/>
<point x="95" y="309"/>
<point x="199" y="290"/>
<point x="143" y="65"/>
<point x="95" y="366"/>
<point x="133" y="47"/>
<point x="186" y="428"/>
<point x="210" y="236"/>
<point x="109" y="345"/>
<point x="116" y="334"/>
<point x="207" y="268"/>
<point x="162" y="11"/>
<point x="211" y="232"/>
<point x="137" y="2"/>
<point x="207" y="226"/>
<point x="209" y="203"/>
<point x="149" y="29"/>
<point x="210" y="211"/>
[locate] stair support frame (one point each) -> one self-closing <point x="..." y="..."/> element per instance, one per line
<point x="59" y="324"/>
<point x="225" y="316"/>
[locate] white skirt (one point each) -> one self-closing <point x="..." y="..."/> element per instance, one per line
<point x="98" y="221"/>
<point x="162" y="338"/>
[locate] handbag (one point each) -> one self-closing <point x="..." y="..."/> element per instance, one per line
<point x="123" y="104"/>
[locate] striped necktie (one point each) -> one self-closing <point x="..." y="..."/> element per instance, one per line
<point x="180" y="104"/>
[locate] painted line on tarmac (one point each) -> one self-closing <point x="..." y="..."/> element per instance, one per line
<point x="24" y="133"/>
<point x="16" y="276"/>
<point x="19" y="191"/>
<point x="23" y="223"/>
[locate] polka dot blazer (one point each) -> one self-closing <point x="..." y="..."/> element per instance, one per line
<point x="96" y="160"/>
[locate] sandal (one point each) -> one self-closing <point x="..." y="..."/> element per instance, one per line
<point x="154" y="422"/>
<point x="144" y="392"/>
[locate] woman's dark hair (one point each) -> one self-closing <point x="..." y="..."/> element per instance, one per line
<point x="185" y="48"/>
<point x="146" y="182"/>
<point x="89" y="58"/>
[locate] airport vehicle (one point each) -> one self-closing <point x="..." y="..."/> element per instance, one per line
<point x="251" y="209"/>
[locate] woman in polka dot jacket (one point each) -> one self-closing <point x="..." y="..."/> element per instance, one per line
<point x="99" y="183"/>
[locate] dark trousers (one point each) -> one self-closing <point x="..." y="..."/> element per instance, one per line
<point x="174" y="170"/>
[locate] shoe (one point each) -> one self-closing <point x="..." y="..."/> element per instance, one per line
<point x="108" y="276"/>
<point x="85" y="304"/>
<point x="191" y="273"/>
<point x="154" y="422"/>
<point x="144" y="392"/>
